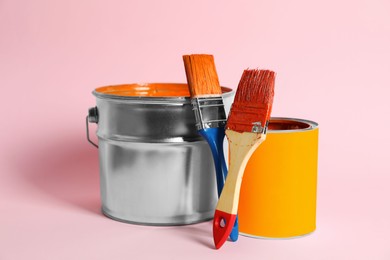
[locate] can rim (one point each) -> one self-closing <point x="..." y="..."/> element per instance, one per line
<point x="311" y="125"/>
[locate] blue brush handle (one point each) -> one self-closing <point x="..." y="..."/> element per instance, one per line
<point x="214" y="137"/>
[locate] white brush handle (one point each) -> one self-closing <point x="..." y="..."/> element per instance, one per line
<point x="241" y="148"/>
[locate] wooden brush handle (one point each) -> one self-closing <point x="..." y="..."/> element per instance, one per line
<point x="241" y="147"/>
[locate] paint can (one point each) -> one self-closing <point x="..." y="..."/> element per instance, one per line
<point x="155" y="169"/>
<point x="278" y="192"/>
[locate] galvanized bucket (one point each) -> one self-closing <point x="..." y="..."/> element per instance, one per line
<point x="154" y="167"/>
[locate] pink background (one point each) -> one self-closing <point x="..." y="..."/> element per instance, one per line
<point x="333" y="64"/>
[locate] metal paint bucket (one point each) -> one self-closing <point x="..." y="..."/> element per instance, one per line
<point x="278" y="192"/>
<point x="154" y="167"/>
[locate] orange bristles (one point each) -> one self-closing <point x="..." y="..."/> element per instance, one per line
<point x="253" y="100"/>
<point x="202" y="75"/>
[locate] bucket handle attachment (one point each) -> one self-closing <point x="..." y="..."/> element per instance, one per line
<point x="92" y="117"/>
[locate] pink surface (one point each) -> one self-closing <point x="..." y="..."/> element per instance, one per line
<point x="333" y="63"/>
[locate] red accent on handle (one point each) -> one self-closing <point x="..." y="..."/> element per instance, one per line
<point x="221" y="233"/>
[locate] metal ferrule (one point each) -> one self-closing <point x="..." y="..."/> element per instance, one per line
<point x="257" y="128"/>
<point x="209" y="112"/>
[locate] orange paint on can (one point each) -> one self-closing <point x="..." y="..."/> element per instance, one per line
<point x="278" y="193"/>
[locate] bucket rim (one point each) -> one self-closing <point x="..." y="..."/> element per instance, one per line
<point x="98" y="93"/>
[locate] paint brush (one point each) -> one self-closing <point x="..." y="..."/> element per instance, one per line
<point x="246" y="130"/>
<point x="206" y="99"/>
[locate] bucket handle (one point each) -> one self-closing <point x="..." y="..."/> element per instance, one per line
<point x="92" y="117"/>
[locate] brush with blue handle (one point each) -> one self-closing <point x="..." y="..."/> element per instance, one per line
<point x="206" y="99"/>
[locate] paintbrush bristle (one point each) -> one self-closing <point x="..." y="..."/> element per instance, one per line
<point x="253" y="100"/>
<point x="201" y="75"/>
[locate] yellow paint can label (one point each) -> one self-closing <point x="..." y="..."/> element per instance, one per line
<point x="278" y="192"/>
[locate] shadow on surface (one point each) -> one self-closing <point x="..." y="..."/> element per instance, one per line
<point x="200" y="233"/>
<point x="66" y="169"/>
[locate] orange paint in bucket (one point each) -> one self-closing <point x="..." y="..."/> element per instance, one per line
<point x="150" y="90"/>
